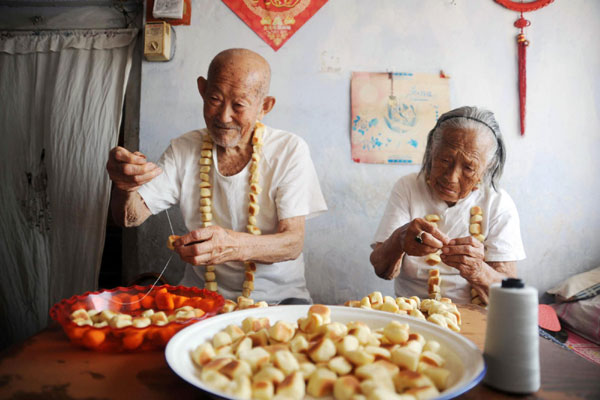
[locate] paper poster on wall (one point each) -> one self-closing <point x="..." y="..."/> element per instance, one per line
<point x="392" y="113"/>
<point x="275" y="21"/>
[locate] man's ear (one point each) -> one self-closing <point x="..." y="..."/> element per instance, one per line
<point x="202" y="84"/>
<point x="267" y="106"/>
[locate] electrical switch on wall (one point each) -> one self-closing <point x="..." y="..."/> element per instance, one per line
<point x="157" y="41"/>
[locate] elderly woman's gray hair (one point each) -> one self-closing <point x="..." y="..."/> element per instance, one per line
<point x="470" y="118"/>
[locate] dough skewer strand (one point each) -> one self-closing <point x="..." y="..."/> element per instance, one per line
<point x="434" y="282"/>
<point x="206" y="214"/>
<point x="476" y="230"/>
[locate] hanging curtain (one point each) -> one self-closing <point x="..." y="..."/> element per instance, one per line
<point x="61" y="99"/>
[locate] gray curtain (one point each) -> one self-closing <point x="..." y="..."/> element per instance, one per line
<point x="61" y="99"/>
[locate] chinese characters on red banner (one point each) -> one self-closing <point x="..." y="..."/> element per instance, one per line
<point x="275" y="21"/>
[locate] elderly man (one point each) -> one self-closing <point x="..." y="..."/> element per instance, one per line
<point x="477" y="236"/>
<point x="244" y="189"/>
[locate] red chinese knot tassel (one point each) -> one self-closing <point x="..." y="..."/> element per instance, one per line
<point x="522" y="43"/>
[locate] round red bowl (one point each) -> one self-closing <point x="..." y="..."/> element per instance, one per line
<point x="134" y="300"/>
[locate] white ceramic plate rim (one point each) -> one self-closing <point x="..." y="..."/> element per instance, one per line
<point x="179" y="347"/>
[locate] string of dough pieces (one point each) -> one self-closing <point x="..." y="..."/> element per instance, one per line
<point x="475" y="231"/>
<point x="434" y="282"/>
<point x="206" y="210"/>
<point x="253" y="208"/>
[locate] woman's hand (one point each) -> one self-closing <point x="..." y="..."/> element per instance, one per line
<point x="431" y="237"/>
<point x="387" y="256"/>
<point x="467" y="256"/>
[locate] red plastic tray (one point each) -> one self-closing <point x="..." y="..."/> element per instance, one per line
<point x="124" y="300"/>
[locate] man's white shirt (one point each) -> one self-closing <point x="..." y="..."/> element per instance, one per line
<point x="290" y="188"/>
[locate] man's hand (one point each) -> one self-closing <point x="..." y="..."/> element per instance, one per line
<point x="467" y="256"/>
<point x="208" y="246"/>
<point x="433" y="239"/>
<point x="216" y="245"/>
<point x="130" y="170"/>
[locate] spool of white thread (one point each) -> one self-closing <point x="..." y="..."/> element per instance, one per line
<point x="511" y="340"/>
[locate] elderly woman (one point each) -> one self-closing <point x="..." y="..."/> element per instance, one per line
<point x="462" y="164"/>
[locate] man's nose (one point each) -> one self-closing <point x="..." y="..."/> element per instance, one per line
<point x="224" y="113"/>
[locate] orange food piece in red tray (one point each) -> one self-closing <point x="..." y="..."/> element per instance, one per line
<point x="148" y="302"/>
<point x="79" y="306"/>
<point x="206" y="304"/>
<point x="76" y="332"/>
<point x="198" y="302"/>
<point x="116" y="301"/>
<point x="179" y="300"/>
<point x="153" y="336"/>
<point x="133" y="304"/>
<point x="164" y="301"/>
<point x="133" y="340"/>
<point x="160" y="336"/>
<point x="93" y="338"/>
<point x="190" y="301"/>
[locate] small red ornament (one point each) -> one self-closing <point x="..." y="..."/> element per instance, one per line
<point x="522" y="44"/>
<point x="524" y="7"/>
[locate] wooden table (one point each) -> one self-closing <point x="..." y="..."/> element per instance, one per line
<point x="47" y="366"/>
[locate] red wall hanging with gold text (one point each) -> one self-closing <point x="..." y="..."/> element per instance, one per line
<point x="275" y="21"/>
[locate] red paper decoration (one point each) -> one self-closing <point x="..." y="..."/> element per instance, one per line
<point x="524" y="7"/>
<point x="522" y="44"/>
<point x="275" y="21"/>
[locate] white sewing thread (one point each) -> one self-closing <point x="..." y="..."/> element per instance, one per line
<point x="159" y="276"/>
<point x="170" y="225"/>
<point x="512" y="340"/>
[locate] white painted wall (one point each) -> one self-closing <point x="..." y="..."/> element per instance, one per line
<point x="551" y="173"/>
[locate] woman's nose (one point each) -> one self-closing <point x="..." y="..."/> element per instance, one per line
<point x="452" y="174"/>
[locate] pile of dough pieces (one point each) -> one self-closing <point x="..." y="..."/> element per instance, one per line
<point x="318" y="357"/>
<point x="242" y="303"/>
<point x="100" y="319"/>
<point x="441" y="312"/>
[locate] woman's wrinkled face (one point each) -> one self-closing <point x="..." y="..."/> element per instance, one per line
<point x="459" y="162"/>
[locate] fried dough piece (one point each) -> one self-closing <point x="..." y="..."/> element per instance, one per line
<point x="171" y="240"/>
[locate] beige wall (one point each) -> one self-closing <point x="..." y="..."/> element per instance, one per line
<point x="551" y="173"/>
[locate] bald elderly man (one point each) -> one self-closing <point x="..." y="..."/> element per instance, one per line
<point x="244" y="189"/>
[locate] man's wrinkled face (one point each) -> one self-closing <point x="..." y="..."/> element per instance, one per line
<point x="459" y="162"/>
<point x="233" y="102"/>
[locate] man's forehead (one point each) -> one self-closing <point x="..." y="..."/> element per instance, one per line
<point x="244" y="75"/>
<point x="238" y="56"/>
<point x="244" y="63"/>
<point x="240" y="86"/>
